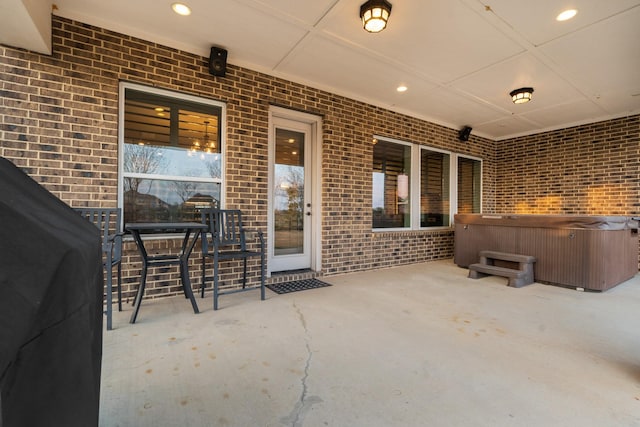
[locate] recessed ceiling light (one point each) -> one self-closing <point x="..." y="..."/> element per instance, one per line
<point x="566" y="15"/>
<point x="402" y="88"/>
<point x="181" y="9"/>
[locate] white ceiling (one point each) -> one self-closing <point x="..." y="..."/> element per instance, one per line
<point x="459" y="58"/>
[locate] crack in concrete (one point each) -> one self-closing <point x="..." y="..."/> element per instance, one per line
<point x="303" y="396"/>
<point x="304" y="403"/>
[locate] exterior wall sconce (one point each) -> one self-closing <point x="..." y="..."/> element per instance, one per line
<point x="522" y="95"/>
<point x="375" y="14"/>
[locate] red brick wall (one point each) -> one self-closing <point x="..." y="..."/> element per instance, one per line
<point x="59" y="123"/>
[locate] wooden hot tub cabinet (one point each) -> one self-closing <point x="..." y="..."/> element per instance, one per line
<point x="590" y="252"/>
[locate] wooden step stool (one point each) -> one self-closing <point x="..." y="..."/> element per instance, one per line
<point x="517" y="278"/>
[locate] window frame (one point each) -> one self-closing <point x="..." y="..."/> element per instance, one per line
<point x="455" y="201"/>
<point x="411" y="185"/>
<point x="419" y="150"/>
<point x="414" y="179"/>
<point x="185" y="100"/>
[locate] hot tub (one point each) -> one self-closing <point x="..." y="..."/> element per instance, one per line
<point x="590" y="252"/>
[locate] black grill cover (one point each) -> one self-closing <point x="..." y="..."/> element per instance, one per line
<point x="51" y="286"/>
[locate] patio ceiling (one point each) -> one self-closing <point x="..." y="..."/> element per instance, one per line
<point x="458" y="58"/>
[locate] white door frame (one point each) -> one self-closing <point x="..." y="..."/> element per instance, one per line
<point x="315" y="164"/>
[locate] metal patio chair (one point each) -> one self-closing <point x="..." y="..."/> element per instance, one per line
<point x="226" y="239"/>
<point x="108" y="220"/>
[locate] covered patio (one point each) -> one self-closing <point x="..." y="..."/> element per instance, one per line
<point x="306" y="127"/>
<point x="412" y="345"/>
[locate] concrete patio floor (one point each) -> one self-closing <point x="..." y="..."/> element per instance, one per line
<point x="418" y="345"/>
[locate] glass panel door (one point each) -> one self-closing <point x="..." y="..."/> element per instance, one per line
<point x="288" y="194"/>
<point x="290" y="233"/>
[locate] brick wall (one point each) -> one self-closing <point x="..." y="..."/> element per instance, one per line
<point x="589" y="170"/>
<point x="59" y="124"/>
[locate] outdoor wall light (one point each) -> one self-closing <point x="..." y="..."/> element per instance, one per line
<point x="522" y="95"/>
<point x="375" y="14"/>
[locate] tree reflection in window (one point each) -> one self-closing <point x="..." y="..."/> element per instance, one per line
<point x="166" y="178"/>
<point x="289" y="181"/>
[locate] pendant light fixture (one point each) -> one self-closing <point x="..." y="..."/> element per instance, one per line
<point x="375" y="14"/>
<point x="522" y="95"/>
<point x="206" y="146"/>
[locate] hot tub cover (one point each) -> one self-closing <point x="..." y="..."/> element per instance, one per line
<point x="551" y="221"/>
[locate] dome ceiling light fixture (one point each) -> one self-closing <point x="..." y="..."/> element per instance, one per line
<point x="375" y="14"/>
<point x="522" y="95"/>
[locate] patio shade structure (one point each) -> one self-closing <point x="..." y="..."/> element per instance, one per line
<point x="51" y="287"/>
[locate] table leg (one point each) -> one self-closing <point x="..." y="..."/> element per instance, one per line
<point x="162" y="260"/>
<point x="186" y="283"/>
<point x="138" y="300"/>
<point x="187" y="247"/>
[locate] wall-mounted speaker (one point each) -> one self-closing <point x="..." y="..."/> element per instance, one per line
<point x="218" y="61"/>
<point x="463" y="134"/>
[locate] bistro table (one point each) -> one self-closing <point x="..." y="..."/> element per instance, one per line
<point x="191" y="232"/>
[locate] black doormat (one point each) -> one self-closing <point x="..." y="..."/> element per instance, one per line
<point x="298" y="285"/>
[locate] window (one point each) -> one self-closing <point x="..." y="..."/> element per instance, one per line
<point x="434" y="188"/>
<point x="441" y="182"/>
<point x="171" y="155"/>
<point x="391" y="183"/>
<point x="469" y="179"/>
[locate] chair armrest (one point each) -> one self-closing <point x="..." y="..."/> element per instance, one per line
<point x="113" y="247"/>
<point x="259" y="234"/>
<point x="206" y="239"/>
<point x="115" y="236"/>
